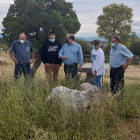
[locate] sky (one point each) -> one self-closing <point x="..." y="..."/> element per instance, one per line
<point x="87" y="11"/>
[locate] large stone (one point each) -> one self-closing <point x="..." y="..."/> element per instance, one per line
<point x="87" y="95"/>
<point x="3" y="60"/>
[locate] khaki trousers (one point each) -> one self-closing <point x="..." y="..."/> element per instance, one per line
<point x="52" y="69"/>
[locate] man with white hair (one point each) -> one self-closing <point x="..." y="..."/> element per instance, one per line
<point x="22" y="49"/>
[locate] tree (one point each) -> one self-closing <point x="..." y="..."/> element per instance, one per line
<point x="115" y="20"/>
<point x="37" y="18"/>
<point x="133" y="37"/>
<point x="135" y="47"/>
<point x="86" y="46"/>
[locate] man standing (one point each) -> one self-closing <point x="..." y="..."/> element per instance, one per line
<point x="97" y="61"/>
<point x="120" y="58"/>
<point x="71" y="53"/>
<point x="22" y="49"/>
<point x="49" y="56"/>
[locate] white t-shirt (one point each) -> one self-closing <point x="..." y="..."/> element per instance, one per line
<point x="97" y="61"/>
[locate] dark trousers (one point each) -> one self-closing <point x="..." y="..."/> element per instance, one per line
<point x="117" y="80"/>
<point x="71" y="71"/>
<point x="22" y="68"/>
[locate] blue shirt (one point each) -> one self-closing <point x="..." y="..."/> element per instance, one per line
<point x="119" y="56"/>
<point x="73" y="53"/>
<point x="22" y="51"/>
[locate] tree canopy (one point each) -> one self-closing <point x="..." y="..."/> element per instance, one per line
<point x="39" y="17"/>
<point x="115" y="20"/>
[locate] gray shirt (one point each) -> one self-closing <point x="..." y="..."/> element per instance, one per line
<point x="22" y="51"/>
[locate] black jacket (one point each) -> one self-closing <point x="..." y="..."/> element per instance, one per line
<point x="49" y="52"/>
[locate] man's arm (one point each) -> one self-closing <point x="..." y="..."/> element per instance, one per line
<point x="42" y="54"/>
<point x="125" y="66"/>
<point x="11" y="55"/>
<point x="61" y="52"/>
<point x="80" y="59"/>
<point x="60" y="46"/>
<point x="129" y="55"/>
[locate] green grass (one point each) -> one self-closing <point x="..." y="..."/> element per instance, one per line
<point x="26" y="114"/>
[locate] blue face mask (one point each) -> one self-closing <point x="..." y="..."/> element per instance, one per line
<point x="93" y="47"/>
<point x="52" y="40"/>
<point x="113" y="45"/>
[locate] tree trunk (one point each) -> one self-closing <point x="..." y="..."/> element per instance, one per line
<point x="35" y="67"/>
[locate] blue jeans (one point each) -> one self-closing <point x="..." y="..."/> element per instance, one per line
<point x="22" y="68"/>
<point x="97" y="82"/>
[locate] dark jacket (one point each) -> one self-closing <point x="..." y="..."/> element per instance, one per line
<point x="49" y="52"/>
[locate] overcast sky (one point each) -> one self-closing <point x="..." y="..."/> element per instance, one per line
<point x="87" y="11"/>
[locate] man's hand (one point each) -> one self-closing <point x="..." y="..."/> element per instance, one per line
<point x="95" y="74"/>
<point x="125" y="66"/>
<point x="80" y="68"/>
<point x="63" y="57"/>
<point x="15" y="60"/>
<point x="32" y="61"/>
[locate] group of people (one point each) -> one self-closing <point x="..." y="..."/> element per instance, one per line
<point x="53" y="54"/>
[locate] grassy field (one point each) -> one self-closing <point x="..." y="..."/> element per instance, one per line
<point x="26" y="114"/>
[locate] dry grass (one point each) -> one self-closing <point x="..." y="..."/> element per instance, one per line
<point x="127" y="127"/>
<point x="7" y="70"/>
<point x="131" y="74"/>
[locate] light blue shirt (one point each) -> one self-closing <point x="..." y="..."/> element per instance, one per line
<point x="73" y="53"/>
<point x="119" y="56"/>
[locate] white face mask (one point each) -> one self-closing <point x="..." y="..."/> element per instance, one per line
<point x="22" y="41"/>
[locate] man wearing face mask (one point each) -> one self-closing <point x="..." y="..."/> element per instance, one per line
<point x="67" y="37"/>
<point x="71" y="54"/>
<point x="120" y="58"/>
<point x="49" y="55"/>
<point x="22" y="49"/>
<point x="97" y="62"/>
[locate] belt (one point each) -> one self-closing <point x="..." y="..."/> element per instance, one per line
<point x="71" y="64"/>
<point x="117" y="67"/>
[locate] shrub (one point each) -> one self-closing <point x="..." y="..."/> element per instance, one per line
<point x="135" y="47"/>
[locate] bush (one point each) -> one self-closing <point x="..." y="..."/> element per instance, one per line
<point x="3" y="46"/>
<point x="107" y="49"/>
<point x="86" y="47"/>
<point x="135" y="47"/>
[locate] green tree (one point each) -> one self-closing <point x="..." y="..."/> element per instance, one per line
<point x="86" y="46"/>
<point x="135" y="47"/>
<point x="115" y="20"/>
<point x="38" y="17"/>
<point x="133" y="37"/>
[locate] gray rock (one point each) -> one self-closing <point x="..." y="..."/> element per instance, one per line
<point x="87" y="95"/>
<point x="3" y="60"/>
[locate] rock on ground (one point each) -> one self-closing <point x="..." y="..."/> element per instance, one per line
<point x="87" y="95"/>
